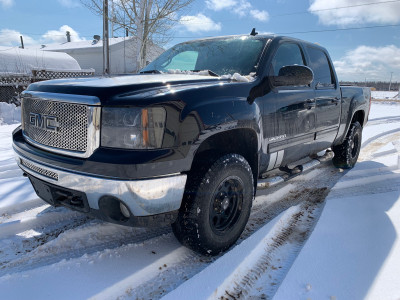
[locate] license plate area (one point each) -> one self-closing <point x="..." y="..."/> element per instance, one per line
<point x="56" y="195"/>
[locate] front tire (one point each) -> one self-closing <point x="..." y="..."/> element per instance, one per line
<point x="346" y="154"/>
<point x="216" y="206"/>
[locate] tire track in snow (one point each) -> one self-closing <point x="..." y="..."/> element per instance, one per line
<point x="262" y="281"/>
<point x="383" y="120"/>
<point x="372" y="145"/>
<point x="16" y="249"/>
<point x="38" y="218"/>
<point x="8" y="211"/>
<point x="284" y="196"/>
<point x="84" y="238"/>
<point x="56" y="249"/>
<point x="169" y="277"/>
<point x="373" y="140"/>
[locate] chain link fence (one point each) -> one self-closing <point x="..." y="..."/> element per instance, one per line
<point x="12" y="85"/>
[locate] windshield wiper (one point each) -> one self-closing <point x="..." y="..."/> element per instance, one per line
<point x="211" y="73"/>
<point x="150" y="72"/>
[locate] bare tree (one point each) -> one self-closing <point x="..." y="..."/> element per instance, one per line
<point x="149" y="21"/>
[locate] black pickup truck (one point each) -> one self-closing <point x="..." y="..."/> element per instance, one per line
<point x="185" y="141"/>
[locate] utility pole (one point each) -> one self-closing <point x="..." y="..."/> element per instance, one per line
<point x="106" y="44"/>
<point x="390" y="82"/>
<point x="22" y="41"/>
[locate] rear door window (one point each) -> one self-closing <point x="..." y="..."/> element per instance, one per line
<point x="320" y="65"/>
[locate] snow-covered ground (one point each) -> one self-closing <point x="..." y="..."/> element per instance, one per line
<point x="9" y="114"/>
<point x="326" y="234"/>
<point x="385" y="95"/>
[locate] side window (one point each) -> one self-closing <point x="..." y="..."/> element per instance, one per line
<point x="320" y="65"/>
<point x="287" y="55"/>
<point x="184" y="61"/>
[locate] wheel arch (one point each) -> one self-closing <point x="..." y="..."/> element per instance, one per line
<point x="242" y="141"/>
<point x="358" y="116"/>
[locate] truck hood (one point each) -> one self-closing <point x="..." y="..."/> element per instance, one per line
<point x="124" y="80"/>
<point x="115" y="90"/>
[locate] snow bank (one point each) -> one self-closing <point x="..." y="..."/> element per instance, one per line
<point x="240" y="78"/>
<point x="354" y="250"/>
<point x="9" y="114"/>
<point x="201" y="73"/>
<point x="235" y="76"/>
<point x="22" y="61"/>
<point x="384" y="95"/>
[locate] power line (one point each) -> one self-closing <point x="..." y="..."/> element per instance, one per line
<point x="287" y="14"/>
<point x="2" y="50"/>
<point x="308" y="11"/>
<point x="334" y="8"/>
<point x="340" y="29"/>
<point x="309" y="31"/>
<point x="292" y="32"/>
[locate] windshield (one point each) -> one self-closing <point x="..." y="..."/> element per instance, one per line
<point x="221" y="56"/>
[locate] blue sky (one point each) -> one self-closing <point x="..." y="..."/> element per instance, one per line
<point x="371" y="53"/>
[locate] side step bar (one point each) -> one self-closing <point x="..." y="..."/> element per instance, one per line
<point x="296" y="171"/>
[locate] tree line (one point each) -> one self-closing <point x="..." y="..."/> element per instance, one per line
<point x="378" y="85"/>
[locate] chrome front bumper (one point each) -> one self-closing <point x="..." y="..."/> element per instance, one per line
<point x="143" y="197"/>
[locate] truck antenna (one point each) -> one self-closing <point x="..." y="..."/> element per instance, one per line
<point x="253" y="32"/>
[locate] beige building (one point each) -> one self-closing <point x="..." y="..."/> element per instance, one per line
<point x="89" y="54"/>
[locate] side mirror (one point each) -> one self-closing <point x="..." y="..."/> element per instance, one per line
<point x="293" y="76"/>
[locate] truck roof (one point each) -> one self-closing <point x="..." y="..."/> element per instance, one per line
<point x="258" y="36"/>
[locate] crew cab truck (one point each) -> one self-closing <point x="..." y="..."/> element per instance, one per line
<point x="185" y="141"/>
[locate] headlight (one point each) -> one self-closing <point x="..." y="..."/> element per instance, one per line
<point x="132" y="128"/>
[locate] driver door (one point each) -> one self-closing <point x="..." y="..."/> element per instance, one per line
<point x="292" y="134"/>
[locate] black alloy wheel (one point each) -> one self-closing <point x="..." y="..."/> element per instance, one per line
<point x="346" y="154"/>
<point x="216" y="205"/>
<point x="226" y="207"/>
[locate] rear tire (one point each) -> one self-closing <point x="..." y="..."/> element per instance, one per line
<point x="216" y="206"/>
<point x="346" y="154"/>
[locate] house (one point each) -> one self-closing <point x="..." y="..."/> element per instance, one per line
<point x="89" y="53"/>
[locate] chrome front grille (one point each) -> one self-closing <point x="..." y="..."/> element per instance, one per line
<point x="39" y="170"/>
<point x="61" y="123"/>
<point x="72" y="127"/>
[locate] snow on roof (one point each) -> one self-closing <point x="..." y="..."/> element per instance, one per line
<point x="84" y="44"/>
<point x="22" y="61"/>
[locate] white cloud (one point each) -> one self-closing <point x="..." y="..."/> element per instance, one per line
<point x="10" y="37"/>
<point x="69" y="3"/>
<point x="260" y="15"/>
<point x="373" y="63"/>
<point x="59" y="36"/>
<point x="220" y="4"/>
<point x="199" y="23"/>
<point x="242" y="8"/>
<point x="384" y="13"/>
<point x="6" y="3"/>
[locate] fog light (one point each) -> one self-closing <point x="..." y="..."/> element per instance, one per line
<point x="124" y="210"/>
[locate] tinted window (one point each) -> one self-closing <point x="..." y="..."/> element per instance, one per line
<point x="320" y="65"/>
<point x="287" y="55"/>
<point x="184" y="60"/>
<point x="223" y="56"/>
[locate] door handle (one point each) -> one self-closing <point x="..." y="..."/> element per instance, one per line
<point x="335" y="100"/>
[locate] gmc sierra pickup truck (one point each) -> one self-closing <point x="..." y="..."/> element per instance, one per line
<point x="185" y="141"/>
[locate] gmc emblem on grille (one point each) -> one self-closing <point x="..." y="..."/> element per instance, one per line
<point x="45" y="122"/>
